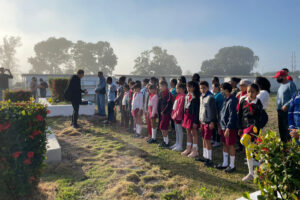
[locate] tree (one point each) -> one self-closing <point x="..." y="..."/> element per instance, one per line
<point x="156" y="62"/>
<point x="51" y="56"/>
<point x="8" y="52"/>
<point x="94" y="57"/>
<point x="236" y="60"/>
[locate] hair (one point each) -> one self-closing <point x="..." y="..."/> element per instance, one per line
<point x="152" y="87"/>
<point x="100" y="73"/>
<point x="33" y="78"/>
<point x="196" y="88"/>
<point x="196" y="77"/>
<point x="164" y="83"/>
<point x="235" y="79"/>
<point x="215" y="79"/>
<point x="146" y="80"/>
<point x="41" y="79"/>
<point x="109" y="79"/>
<point x="138" y="82"/>
<point x="181" y="85"/>
<point x="182" y="78"/>
<point x="254" y="86"/>
<point x="131" y="83"/>
<point x="226" y="86"/>
<point x="174" y="81"/>
<point x="129" y="80"/>
<point x="80" y="72"/>
<point x="137" y="85"/>
<point x="122" y="79"/>
<point x="162" y="78"/>
<point x="205" y="83"/>
<point x="286" y="70"/>
<point x="126" y="87"/>
<point x="263" y="83"/>
<point x="216" y="84"/>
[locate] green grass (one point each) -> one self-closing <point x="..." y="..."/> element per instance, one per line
<point x="104" y="162"/>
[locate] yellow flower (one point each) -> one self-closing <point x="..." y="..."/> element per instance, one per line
<point x="254" y="129"/>
<point x="50" y="100"/>
<point x="23" y="112"/>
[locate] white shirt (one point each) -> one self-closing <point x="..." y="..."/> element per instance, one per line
<point x="125" y="99"/>
<point x="137" y="101"/>
<point x="264" y="97"/>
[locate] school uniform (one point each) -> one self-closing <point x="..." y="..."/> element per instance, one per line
<point x="177" y="116"/>
<point x="137" y="104"/>
<point x="125" y="107"/>
<point x="191" y="112"/>
<point x="166" y="109"/>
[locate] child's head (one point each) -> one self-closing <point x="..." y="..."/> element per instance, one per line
<point x="126" y="88"/>
<point x="129" y="80"/>
<point x="226" y="88"/>
<point x="145" y="82"/>
<point x="204" y="87"/>
<point x="196" y="78"/>
<point x="180" y="88"/>
<point x="122" y="80"/>
<point x="131" y="84"/>
<point x="173" y="83"/>
<point x="215" y="79"/>
<point x="163" y="85"/>
<point x="137" y="87"/>
<point x="252" y="91"/>
<point x="109" y="80"/>
<point x="234" y="81"/>
<point x="182" y="79"/>
<point x="193" y="88"/>
<point x="152" y="89"/>
<point x="244" y="85"/>
<point x="216" y="87"/>
<point x="263" y="83"/>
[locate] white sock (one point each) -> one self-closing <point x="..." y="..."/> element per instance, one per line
<point x="225" y="159"/>
<point x="154" y="133"/>
<point x="205" y="153"/>
<point x="139" y="129"/>
<point x="250" y="166"/>
<point x="195" y="146"/>
<point x="209" y="154"/>
<point x="232" y="158"/>
<point x="166" y="139"/>
<point x="188" y="144"/>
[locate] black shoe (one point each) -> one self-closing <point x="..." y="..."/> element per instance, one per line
<point x="220" y="167"/>
<point x="76" y="126"/>
<point x="200" y="159"/>
<point x="230" y="170"/>
<point x="163" y="145"/>
<point x="152" y="141"/>
<point x="209" y="163"/>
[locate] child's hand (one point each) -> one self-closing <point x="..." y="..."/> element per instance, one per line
<point x="284" y="108"/>
<point x="294" y="133"/>
<point x="227" y="132"/>
<point x="240" y="132"/>
<point x="211" y="126"/>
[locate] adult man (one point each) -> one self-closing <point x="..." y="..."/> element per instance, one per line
<point x="289" y="78"/>
<point x="100" y="94"/>
<point x="4" y="80"/>
<point x="43" y="88"/>
<point x="284" y="96"/>
<point x="73" y="93"/>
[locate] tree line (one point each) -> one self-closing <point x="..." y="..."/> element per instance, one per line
<point x="60" y="55"/>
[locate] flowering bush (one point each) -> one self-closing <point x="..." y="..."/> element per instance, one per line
<point x="58" y="87"/>
<point x="17" y="95"/>
<point x="22" y="146"/>
<point x="279" y="174"/>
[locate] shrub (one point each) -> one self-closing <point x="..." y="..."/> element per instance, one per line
<point x="22" y="146"/>
<point x="17" y="95"/>
<point x="58" y="87"/>
<point x="279" y="174"/>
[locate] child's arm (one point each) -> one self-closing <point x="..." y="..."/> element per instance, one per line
<point x="231" y="124"/>
<point x="154" y="106"/>
<point x="169" y="104"/>
<point x="212" y="110"/>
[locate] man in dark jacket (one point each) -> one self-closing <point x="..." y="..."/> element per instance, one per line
<point x="73" y="93"/>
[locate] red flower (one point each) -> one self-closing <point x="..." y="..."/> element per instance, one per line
<point x="31" y="179"/>
<point x="265" y="149"/>
<point x="40" y="118"/>
<point x="48" y="111"/>
<point x="35" y="133"/>
<point x="259" y="140"/>
<point x="30" y="154"/>
<point x="6" y="126"/>
<point x="287" y="150"/>
<point x="17" y="154"/>
<point x="27" y="161"/>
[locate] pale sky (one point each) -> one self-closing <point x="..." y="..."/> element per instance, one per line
<point x="191" y="30"/>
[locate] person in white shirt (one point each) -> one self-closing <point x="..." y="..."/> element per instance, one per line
<point x="264" y="87"/>
<point x="125" y="106"/>
<point x="137" y="109"/>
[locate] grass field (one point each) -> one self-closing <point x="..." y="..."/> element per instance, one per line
<point x="104" y="162"/>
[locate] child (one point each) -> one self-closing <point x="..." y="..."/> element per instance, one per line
<point x="137" y="109"/>
<point x="191" y="119"/>
<point x="219" y="99"/>
<point x="125" y="106"/>
<point x="177" y="115"/>
<point x="207" y="118"/>
<point x="146" y="113"/>
<point x="119" y="97"/>
<point x="173" y="84"/>
<point x="244" y="83"/>
<point x="130" y="94"/>
<point x="249" y="118"/>
<point x="228" y="128"/>
<point x="111" y="95"/>
<point x="165" y="109"/>
<point x="234" y="81"/>
<point x="152" y="112"/>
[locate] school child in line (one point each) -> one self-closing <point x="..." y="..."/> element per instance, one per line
<point x="234" y="81"/>
<point x="111" y="95"/>
<point x="125" y="106"/>
<point x="173" y="84"/>
<point x="182" y="79"/>
<point x="208" y="119"/>
<point x="146" y="112"/>
<point x="244" y="83"/>
<point x="131" y="121"/>
<point x="177" y="115"/>
<point x="219" y="99"/>
<point x="153" y="113"/>
<point x="137" y="109"/>
<point x="249" y="118"/>
<point x="228" y="128"/>
<point x="166" y="103"/>
<point x="119" y="97"/>
<point x="191" y="119"/>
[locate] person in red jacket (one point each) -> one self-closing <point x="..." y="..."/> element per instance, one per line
<point x="177" y="115"/>
<point x="289" y="78"/>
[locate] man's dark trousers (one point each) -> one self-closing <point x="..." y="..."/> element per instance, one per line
<point x="283" y="126"/>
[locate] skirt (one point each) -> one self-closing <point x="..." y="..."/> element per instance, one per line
<point x="188" y="120"/>
<point x="165" y="122"/>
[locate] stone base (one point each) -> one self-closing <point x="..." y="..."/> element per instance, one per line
<point x="53" y="148"/>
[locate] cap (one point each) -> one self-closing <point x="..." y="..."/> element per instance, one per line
<point x="245" y="82"/>
<point x="280" y="73"/>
